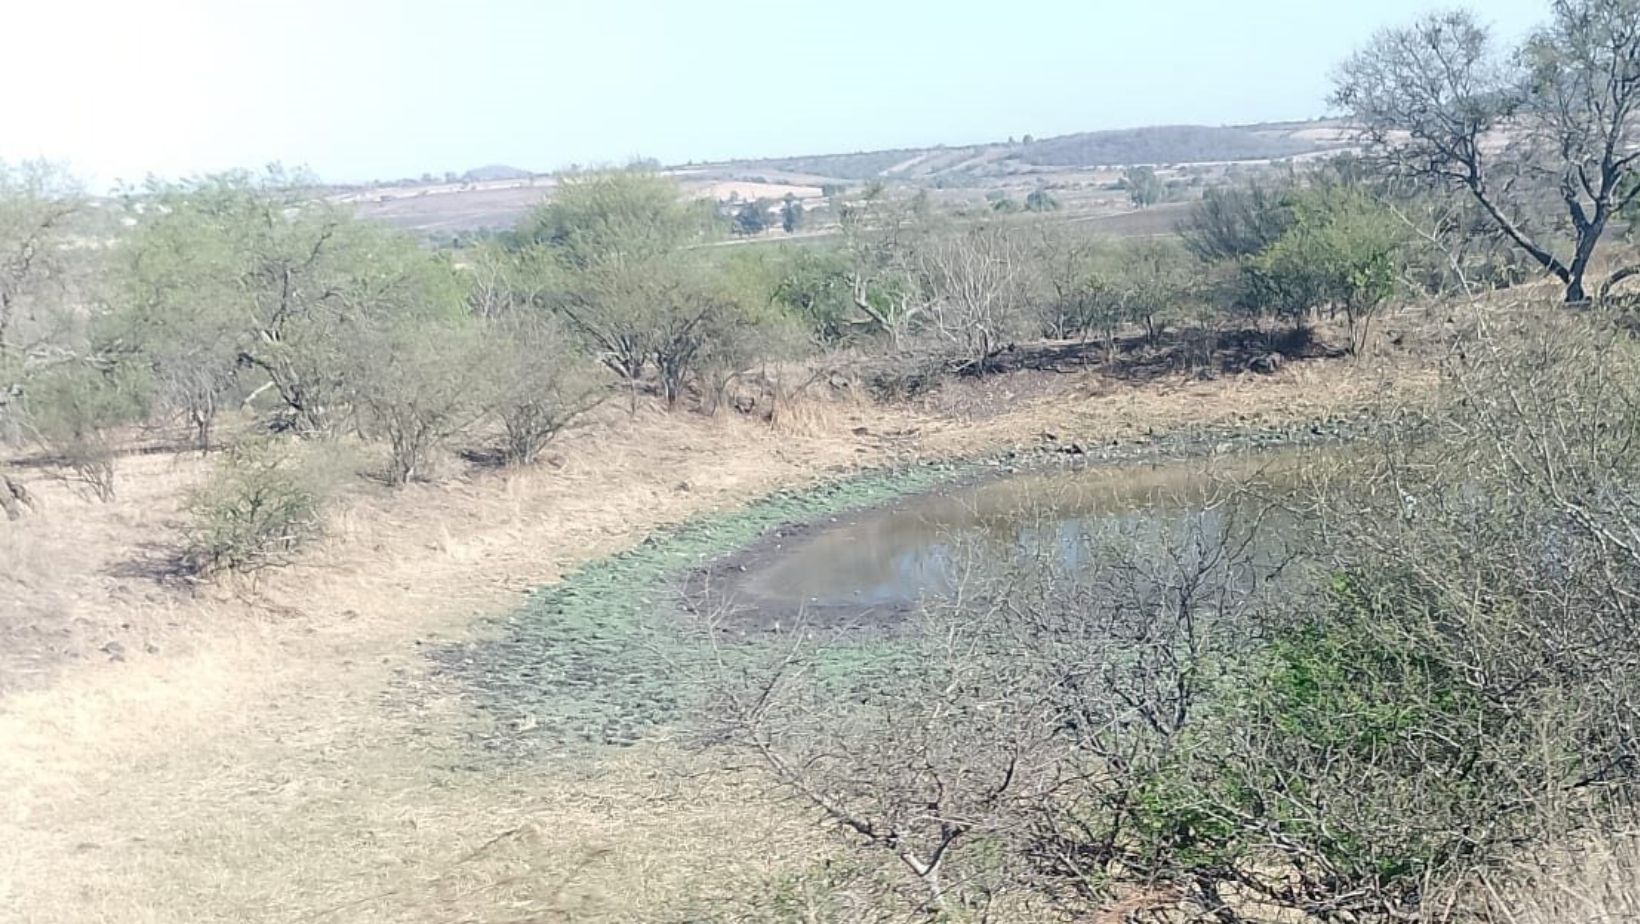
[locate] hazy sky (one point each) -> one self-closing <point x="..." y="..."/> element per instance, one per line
<point x="357" y="89"/>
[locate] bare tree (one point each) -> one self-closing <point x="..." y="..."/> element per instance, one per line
<point x="880" y="241"/>
<point x="976" y="287"/>
<point x="1436" y="101"/>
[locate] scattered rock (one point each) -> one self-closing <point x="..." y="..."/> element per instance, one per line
<point x="861" y="431"/>
<point x="114" y="650"/>
<point x="683" y="486"/>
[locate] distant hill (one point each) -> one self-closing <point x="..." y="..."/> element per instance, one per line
<point x="1083" y="169"/>
<point x="1164" y="144"/>
<point x="495" y="172"/>
<point x="1160" y="144"/>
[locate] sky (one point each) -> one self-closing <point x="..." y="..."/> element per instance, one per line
<point x="377" y="89"/>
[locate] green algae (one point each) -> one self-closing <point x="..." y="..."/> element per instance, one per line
<point x="599" y="659"/>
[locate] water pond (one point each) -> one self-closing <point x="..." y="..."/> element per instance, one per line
<point x="881" y="562"/>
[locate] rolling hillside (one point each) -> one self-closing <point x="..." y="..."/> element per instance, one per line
<point x="1082" y="169"/>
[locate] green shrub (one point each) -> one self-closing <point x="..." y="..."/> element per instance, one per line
<point x="73" y="410"/>
<point x="254" y="512"/>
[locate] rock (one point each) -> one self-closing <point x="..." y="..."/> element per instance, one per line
<point x="1266" y="364"/>
<point x="861" y="431"/>
<point x="115" y="651"/>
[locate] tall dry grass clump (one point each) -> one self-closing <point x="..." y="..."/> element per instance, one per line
<point x="1596" y="882"/>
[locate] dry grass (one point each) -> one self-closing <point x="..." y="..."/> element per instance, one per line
<point x="1596" y="883"/>
<point x="252" y="757"/>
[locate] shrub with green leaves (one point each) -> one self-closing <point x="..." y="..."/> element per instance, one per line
<point x="1345" y="252"/>
<point x="73" y="409"/>
<point x="256" y="510"/>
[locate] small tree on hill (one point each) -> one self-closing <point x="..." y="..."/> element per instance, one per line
<point x="752" y="218"/>
<point x="1344" y="251"/>
<point x="74" y="408"/>
<point x="791" y="215"/>
<point x="420" y="387"/>
<point x="1143" y="186"/>
<point x="1040" y="201"/>
<point x="618" y="240"/>
<point x="1156" y="280"/>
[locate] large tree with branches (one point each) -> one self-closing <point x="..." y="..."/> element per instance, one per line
<point x="1551" y="120"/>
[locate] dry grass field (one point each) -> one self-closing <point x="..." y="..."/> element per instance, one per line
<point x="279" y="750"/>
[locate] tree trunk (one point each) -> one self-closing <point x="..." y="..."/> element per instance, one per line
<point x="1574" y="290"/>
<point x="1588" y="237"/>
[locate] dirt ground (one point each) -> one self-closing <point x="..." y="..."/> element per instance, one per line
<point x="246" y="753"/>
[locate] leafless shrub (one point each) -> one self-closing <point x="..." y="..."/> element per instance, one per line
<point x="1595" y="882"/>
<point x="994" y="758"/>
<point x="1491" y="551"/>
<point x="536" y="383"/>
<point x="976" y="286"/>
<point x="416" y="390"/>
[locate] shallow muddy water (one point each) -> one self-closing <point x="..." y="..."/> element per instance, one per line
<point x="889" y="559"/>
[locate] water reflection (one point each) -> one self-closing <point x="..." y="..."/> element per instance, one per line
<point x="898" y="556"/>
